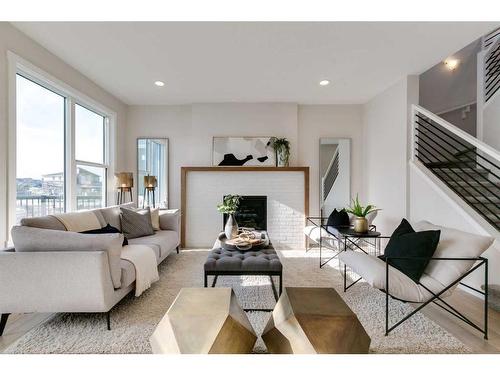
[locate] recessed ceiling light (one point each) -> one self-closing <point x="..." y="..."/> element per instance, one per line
<point x="159" y="83"/>
<point x="451" y="64"/>
<point x="324" y="82"/>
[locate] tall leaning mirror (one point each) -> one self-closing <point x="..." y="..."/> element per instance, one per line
<point x="152" y="172"/>
<point x="334" y="174"/>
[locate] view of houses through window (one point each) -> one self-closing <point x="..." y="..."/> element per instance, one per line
<point x="41" y="146"/>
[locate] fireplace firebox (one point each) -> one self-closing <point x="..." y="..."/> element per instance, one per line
<point x="251" y="213"/>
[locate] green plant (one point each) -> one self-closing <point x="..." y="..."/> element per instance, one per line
<point x="360" y="211"/>
<point x="229" y="205"/>
<point x="281" y="144"/>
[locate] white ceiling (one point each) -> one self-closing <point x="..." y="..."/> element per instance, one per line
<point x="250" y="62"/>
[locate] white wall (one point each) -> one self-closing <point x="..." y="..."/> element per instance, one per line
<point x="491" y="122"/>
<point x="15" y="41"/>
<point x="190" y="129"/>
<point x="385" y="134"/>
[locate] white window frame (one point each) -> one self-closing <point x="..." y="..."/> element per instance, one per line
<point x="18" y="65"/>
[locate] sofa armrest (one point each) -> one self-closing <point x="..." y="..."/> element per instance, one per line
<point x="170" y="220"/>
<point x="55" y="281"/>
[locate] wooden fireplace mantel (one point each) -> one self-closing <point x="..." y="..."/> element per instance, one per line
<point x="186" y="170"/>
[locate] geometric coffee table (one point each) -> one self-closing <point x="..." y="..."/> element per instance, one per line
<point x="314" y="320"/>
<point x="204" y="321"/>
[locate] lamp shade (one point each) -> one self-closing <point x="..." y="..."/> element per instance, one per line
<point x="150" y="181"/>
<point x="124" y="180"/>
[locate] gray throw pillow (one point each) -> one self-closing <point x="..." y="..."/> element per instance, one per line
<point x="28" y="239"/>
<point x="136" y="224"/>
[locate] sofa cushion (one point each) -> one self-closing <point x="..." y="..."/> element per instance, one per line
<point x="162" y="241"/>
<point x="155" y="216"/>
<point x="43" y="222"/>
<point x="128" y="273"/>
<point x="453" y="243"/>
<point x="27" y="239"/>
<point x="79" y="221"/>
<point x="111" y="214"/>
<point x="372" y="269"/>
<point x="136" y="224"/>
<point x="106" y="230"/>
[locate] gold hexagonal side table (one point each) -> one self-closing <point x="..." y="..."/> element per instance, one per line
<point x="204" y="321"/>
<point x="314" y="320"/>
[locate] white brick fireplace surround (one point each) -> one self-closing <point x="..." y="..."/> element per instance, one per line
<point x="287" y="191"/>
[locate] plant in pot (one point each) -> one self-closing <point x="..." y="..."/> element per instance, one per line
<point x="281" y="147"/>
<point x="360" y="212"/>
<point x="229" y="206"/>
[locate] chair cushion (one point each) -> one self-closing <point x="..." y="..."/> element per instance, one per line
<point x="453" y="243"/>
<point x="162" y="242"/>
<point x="372" y="269"/>
<point x="313" y="232"/>
<point x="338" y="219"/>
<point x="405" y="242"/>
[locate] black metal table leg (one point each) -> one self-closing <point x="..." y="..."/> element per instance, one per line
<point x="206" y="280"/>
<point x="3" y="322"/>
<point x="108" y="320"/>
<point x="215" y="281"/>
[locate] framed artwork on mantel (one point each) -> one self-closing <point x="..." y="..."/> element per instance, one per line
<point x="243" y="152"/>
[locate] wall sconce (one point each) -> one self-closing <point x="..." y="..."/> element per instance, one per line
<point x="124" y="181"/>
<point x="451" y="64"/>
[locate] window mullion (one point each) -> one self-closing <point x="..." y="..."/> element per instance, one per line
<point x="70" y="161"/>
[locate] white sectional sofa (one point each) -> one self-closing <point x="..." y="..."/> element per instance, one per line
<point x="75" y="281"/>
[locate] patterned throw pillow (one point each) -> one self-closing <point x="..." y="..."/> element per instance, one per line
<point x="136" y="224"/>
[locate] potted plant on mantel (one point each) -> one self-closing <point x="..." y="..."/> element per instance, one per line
<point x="229" y="206"/>
<point x="281" y="147"/>
<point x="360" y="212"/>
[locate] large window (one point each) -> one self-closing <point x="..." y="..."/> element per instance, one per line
<point x="90" y="154"/>
<point x="40" y="172"/>
<point x="61" y="151"/>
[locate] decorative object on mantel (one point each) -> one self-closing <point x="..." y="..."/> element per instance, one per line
<point x="243" y="151"/>
<point x="360" y="222"/>
<point x="150" y="184"/>
<point x="281" y="147"/>
<point x="124" y="182"/>
<point x="229" y="206"/>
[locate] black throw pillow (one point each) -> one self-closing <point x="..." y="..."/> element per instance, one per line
<point x="338" y="219"/>
<point x="405" y="242"/>
<point x="104" y="230"/>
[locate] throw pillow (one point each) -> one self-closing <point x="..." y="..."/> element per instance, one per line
<point x="405" y="242"/>
<point x="338" y="219"/>
<point x="155" y="216"/>
<point x="104" y="230"/>
<point x="135" y="224"/>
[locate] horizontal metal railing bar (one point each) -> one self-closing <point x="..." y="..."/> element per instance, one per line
<point x="469" y="157"/>
<point x="497" y="157"/>
<point x="468" y="183"/>
<point x="495" y="154"/>
<point x="462" y="170"/>
<point x="492" y="84"/>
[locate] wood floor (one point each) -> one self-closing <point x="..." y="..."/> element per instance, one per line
<point x="468" y="304"/>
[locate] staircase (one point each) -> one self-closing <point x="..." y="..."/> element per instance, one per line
<point x="470" y="168"/>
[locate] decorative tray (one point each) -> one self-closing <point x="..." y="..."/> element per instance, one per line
<point x="247" y="240"/>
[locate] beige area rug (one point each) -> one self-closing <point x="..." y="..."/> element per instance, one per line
<point x="134" y="319"/>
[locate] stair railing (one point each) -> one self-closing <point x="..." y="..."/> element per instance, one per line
<point x="488" y="69"/>
<point x="328" y="180"/>
<point x="466" y="165"/>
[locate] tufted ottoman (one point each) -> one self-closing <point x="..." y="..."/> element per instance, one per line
<point x="221" y="262"/>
